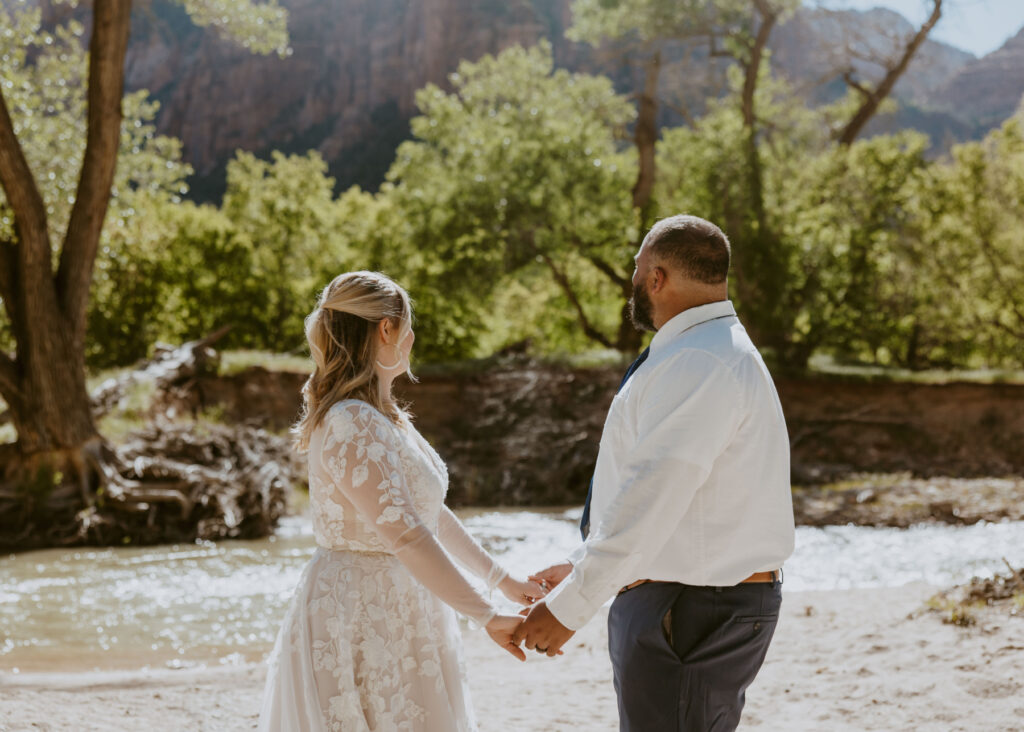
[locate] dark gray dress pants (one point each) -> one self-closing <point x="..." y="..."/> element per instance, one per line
<point x="683" y="656"/>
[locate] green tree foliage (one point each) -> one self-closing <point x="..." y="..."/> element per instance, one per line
<point x="654" y="21"/>
<point x="262" y="27"/>
<point x="256" y="263"/>
<point x="286" y="209"/>
<point x="963" y="301"/>
<point x="516" y="177"/>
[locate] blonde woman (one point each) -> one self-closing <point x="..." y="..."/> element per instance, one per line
<point x="370" y="641"/>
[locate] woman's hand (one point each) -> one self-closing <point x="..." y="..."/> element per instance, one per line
<point x="522" y="593"/>
<point x="501" y="628"/>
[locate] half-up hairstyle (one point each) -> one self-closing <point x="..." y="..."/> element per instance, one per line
<point x="341" y="332"/>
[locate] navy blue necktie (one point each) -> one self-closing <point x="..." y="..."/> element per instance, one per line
<point x="585" y="520"/>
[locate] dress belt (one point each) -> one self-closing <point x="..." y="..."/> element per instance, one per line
<point x="773" y="576"/>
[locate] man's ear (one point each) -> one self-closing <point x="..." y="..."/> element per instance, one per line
<point x="659" y="278"/>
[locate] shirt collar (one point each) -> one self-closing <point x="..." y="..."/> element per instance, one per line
<point x="690" y="318"/>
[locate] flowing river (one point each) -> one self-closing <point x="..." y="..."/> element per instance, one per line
<point x="183" y="605"/>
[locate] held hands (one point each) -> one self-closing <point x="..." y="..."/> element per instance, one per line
<point x="507" y="630"/>
<point x="501" y="629"/>
<point x="541" y="631"/>
<point x="550" y="577"/>
<point x="522" y="593"/>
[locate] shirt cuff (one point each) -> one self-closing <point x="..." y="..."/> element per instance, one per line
<point x="568" y="605"/>
<point x="577" y="555"/>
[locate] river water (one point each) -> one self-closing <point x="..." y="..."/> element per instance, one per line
<point x="221" y="603"/>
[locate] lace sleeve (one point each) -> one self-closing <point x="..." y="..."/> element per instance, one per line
<point x="360" y="453"/>
<point x="467" y="551"/>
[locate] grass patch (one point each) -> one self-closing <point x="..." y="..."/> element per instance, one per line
<point x="962" y="605"/>
<point x="131" y="413"/>
<point x="861" y="481"/>
<point x="825" y="365"/>
<point x="233" y="362"/>
<point x="95" y="379"/>
<point x="953" y="612"/>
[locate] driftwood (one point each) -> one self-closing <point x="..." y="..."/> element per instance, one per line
<point x="168" y="482"/>
<point x="177" y="483"/>
<point x="170" y="368"/>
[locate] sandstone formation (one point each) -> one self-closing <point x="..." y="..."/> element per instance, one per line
<point x="348" y="90"/>
<point x="522" y="433"/>
<point x="990" y="88"/>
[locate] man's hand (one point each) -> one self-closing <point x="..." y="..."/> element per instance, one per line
<point x="542" y="632"/>
<point x="550" y="577"/>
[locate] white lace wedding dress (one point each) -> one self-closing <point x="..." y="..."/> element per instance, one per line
<point x="370" y="641"/>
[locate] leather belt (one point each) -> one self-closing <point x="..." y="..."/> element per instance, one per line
<point x="773" y="576"/>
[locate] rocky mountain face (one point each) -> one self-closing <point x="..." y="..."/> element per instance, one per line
<point x="348" y="90"/>
<point x="829" y="42"/>
<point x="988" y="89"/>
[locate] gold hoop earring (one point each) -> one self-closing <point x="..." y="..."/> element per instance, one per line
<point x="396" y="364"/>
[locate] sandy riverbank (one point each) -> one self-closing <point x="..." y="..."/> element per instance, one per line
<point x="841" y="660"/>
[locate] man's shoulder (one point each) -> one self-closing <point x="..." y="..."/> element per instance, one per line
<point x="725" y="346"/>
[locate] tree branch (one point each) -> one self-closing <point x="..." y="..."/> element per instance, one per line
<point x="683" y="112"/>
<point x="752" y="67"/>
<point x="623" y="283"/>
<point x="715" y="52"/>
<point x="563" y="282"/>
<point x="854" y="84"/>
<point x="892" y="74"/>
<point x="111" y="24"/>
<point x="26" y="203"/>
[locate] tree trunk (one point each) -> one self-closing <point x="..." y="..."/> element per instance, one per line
<point x="44" y="382"/>
<point x="645" y="136"/>
<point x="757" y="264"/>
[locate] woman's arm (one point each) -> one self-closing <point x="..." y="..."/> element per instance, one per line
<point x="468" y="552"/>
<point x="359" y="452"/>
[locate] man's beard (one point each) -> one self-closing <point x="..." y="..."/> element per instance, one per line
<point x="641" y="310"/>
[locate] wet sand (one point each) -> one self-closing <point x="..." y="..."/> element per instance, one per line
<point x="841" y="660"/>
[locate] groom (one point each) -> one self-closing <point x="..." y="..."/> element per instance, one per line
<point x="690" y="516"/>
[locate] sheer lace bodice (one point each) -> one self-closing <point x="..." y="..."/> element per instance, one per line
<point x="377" y="486"/>
<point x="358" y="453"/>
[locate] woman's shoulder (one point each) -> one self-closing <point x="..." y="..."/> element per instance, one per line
<point x="359" y="412"/>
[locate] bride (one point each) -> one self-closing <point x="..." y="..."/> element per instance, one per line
<point x="370" y="640"/>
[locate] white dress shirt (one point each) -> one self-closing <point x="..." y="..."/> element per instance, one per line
<point x="692" y="477"/>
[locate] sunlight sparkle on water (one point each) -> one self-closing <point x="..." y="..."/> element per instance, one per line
<point x="182" y="604"/>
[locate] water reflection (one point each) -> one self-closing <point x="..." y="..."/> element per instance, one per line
<point x="222" y="603"/>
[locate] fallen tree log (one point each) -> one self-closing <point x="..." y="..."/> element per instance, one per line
<point x="167" y="482"/>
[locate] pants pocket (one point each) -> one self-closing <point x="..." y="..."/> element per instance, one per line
<point x="757" y="622"/>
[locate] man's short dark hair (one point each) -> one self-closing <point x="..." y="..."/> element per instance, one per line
<point x="693" y="246"/>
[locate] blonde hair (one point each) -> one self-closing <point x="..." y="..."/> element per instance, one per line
<point x="341" y="332"/>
